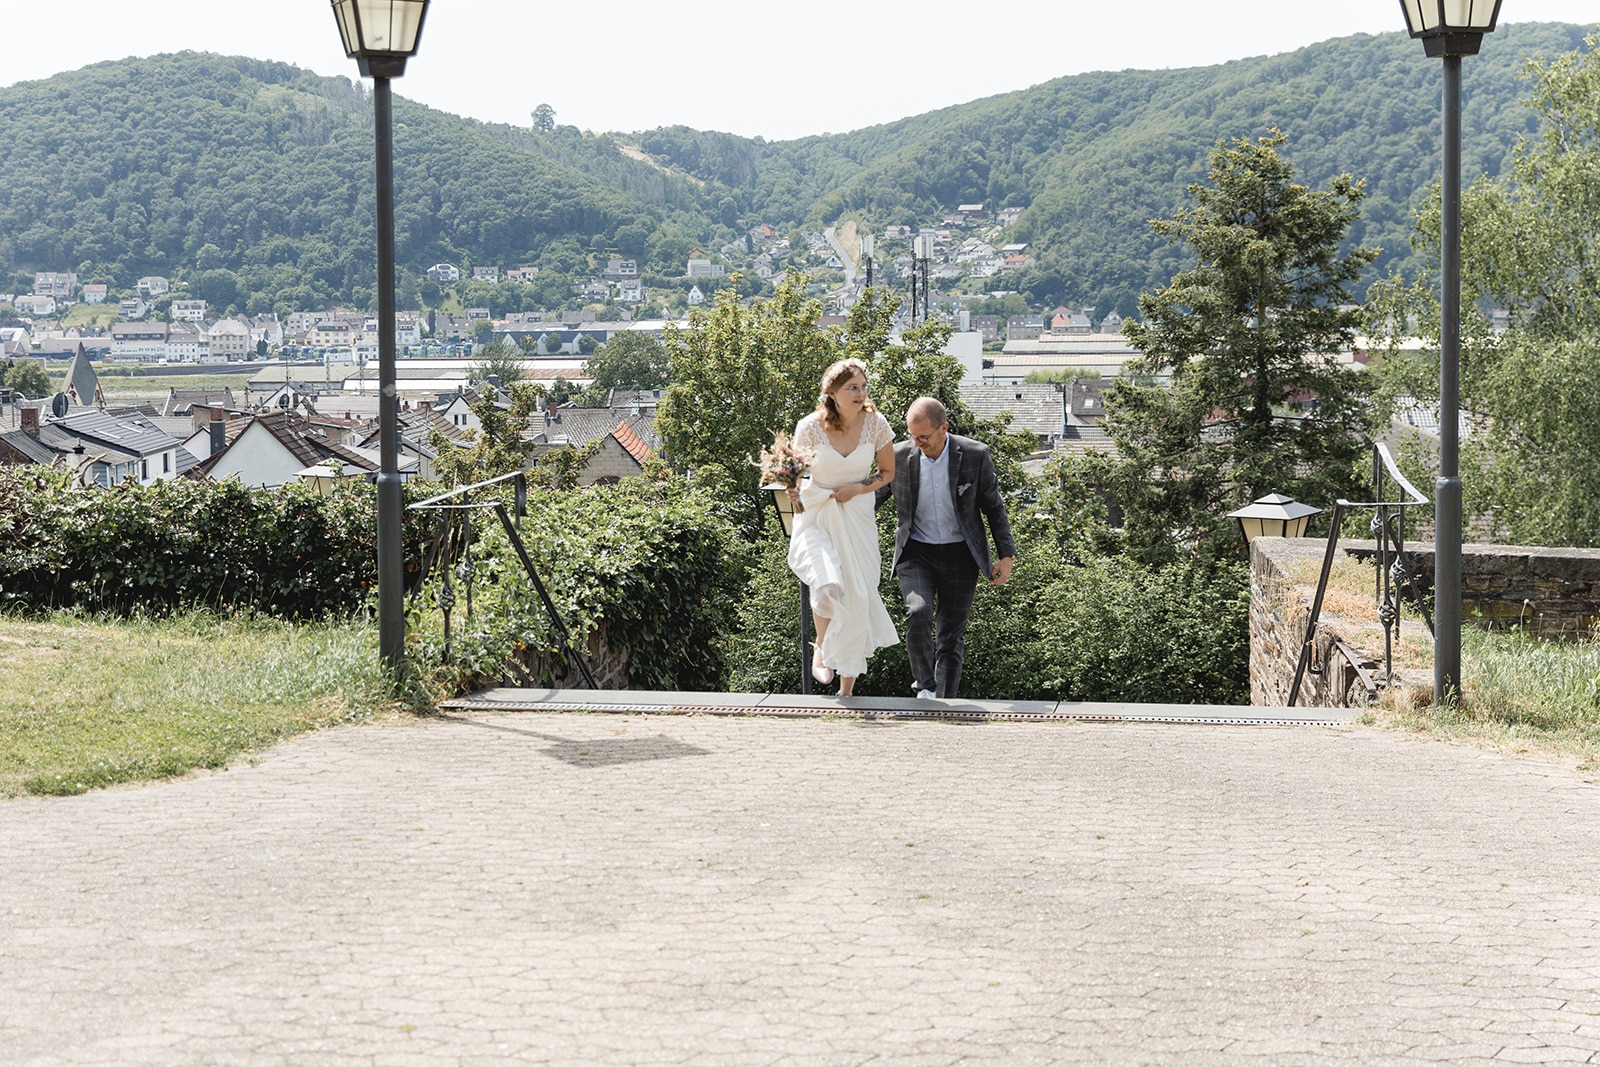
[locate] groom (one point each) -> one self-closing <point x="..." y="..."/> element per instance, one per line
<point x="944" y="487"/>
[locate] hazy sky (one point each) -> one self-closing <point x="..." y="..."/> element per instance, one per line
<point x="770" y="69"/>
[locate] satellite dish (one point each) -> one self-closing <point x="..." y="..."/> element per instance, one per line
<point x="285" y="400"/>
<point x="59" y="404"/>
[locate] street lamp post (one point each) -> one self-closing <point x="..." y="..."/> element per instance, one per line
<point x="867" y="244"/>
<point x="785" y="509"/>
<point x="1449" y="29"/>
<point x="380" y="35"/>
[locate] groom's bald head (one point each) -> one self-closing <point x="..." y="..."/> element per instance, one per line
<point x="928" y="425"/>
<point x="927" y="409"/>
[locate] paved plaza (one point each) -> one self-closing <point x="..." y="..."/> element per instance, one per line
<point x="625" y="889"/>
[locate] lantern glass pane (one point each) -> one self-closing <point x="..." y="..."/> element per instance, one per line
<point x="349" y="33"/>
<point x="391" y="25"/>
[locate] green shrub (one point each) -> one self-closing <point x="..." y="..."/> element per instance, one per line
<point x="1068" y="625"/>
<point x="655" y="562"/>
<point x="180" y="543"/>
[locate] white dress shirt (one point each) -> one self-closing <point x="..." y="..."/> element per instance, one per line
<point x="935" y="520"/>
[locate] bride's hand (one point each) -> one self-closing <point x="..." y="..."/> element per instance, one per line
<point x="846" y="493"/>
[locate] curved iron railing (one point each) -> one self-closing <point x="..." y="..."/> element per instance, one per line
<point x="1394" y="573"/>
<point x="450" y="553"/>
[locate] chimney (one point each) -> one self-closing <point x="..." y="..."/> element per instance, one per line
<point x="219" y="430"/>
<point x="30" y="421"/>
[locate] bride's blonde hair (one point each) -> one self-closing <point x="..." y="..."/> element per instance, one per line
<point x="832" y="379"/>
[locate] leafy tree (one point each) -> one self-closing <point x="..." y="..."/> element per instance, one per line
<point x="544" y="118"/>
<point x="1244" y="334"/>
<point x="1531" y="245"/>
<point x="500" y="360"/>
<point x="739" y="372"/>
<point x="27" y="377"/>
<point x="497" y="447"/>
<point x="630" y="360"/>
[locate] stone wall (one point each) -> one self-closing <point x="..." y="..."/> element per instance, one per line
<point x="1280" y="604"/>
<point x="1549" y="592"/>
<point x="608" y="665"/>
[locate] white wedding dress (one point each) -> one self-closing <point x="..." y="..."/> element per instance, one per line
<point x="835" y="551"/>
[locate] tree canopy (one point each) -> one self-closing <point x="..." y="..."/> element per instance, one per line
<point x="1531" y="246"/>
<point x="1247" y="336"/>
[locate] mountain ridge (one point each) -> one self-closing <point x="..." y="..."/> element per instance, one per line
<point x="254" y="177"/>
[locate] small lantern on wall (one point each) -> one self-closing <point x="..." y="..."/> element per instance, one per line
<point x="1274" y="515"/>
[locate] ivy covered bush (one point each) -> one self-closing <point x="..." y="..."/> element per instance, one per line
<point x="1071" y="624"/>
<point x="656" y="563"/>
<point x="180" y="543"/>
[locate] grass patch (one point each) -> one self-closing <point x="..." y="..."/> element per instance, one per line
<point x="89" y="702"/>
<point x="1521" y="694"/>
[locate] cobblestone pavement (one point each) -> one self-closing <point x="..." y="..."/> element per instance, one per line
<point x="593" y="889"/>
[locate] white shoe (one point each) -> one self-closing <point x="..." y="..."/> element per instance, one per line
<point x="818" y="671"/>
<point x="926" y="694"/>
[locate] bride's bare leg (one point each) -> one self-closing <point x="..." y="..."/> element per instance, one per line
<point x="847" y="685"/>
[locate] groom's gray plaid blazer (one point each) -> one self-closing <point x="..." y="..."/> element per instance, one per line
<point x="974" y="489"/>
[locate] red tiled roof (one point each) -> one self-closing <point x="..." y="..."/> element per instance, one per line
<point x="631" y="441"/>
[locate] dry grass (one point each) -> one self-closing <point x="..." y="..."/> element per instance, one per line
<point x="1521" y="695"/>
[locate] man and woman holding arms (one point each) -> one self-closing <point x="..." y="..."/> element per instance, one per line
<point x="945" y="490"/>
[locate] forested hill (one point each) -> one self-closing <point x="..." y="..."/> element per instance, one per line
<point x="257" y="176"/>
<point x="1095" y="156"/>
<point x="253" y="179"/>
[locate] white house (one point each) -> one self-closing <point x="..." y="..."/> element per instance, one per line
<point x="189" y="310"/>
<point x="153" y="285"/>
<point x="62" y="285"/>
<point x="95" y="293"/>
<point x="133" y="308"/>
<point x="266" y="328"/>
<point x="229" y="339"/>
<point x="696" y="297"/>
<point x="122" y="448"/>
<point x="704" y="268"/>
<point x="486" y="274"/>
<point x="407" y="328"/>
<point x="444" y="273"/>
<point x="35" y="306"/>
<point x="186" y="343"/>
<point x="274" y="448"/>
<point x="138" y="342"/>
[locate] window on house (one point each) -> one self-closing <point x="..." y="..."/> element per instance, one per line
<point x="166" y="463"/>
<point x="144" y="470"/>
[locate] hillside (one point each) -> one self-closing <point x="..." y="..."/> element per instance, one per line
<point x="253" y="179"/>
<point x="1095" y="156"/>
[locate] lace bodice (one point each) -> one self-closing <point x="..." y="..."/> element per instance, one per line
<point x="828" y="467"/>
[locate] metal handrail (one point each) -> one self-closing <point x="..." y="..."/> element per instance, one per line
<point x="1394" y="572"/>
<point x="453" y="544"/>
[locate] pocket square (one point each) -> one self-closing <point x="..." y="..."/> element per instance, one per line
<point x="962" y="488"/>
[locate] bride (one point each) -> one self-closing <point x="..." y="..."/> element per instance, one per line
<point x="835" y="545"/>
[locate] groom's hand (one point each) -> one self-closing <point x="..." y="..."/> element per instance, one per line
<point x="1002" y="571"/>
